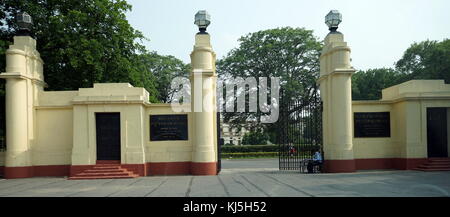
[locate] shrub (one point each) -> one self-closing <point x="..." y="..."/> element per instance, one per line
<point x="249" y="154"/>
<point x="249" y="148"/>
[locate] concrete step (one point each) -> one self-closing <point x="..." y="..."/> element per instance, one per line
<point x="435" y="164"/>
<point x="428" y="166"/>
<point x="431" y="170"/>
<point x="102" y="177"/>
<point x="105" y="174"/>
<point x="106" y="167"/>
<point x="105" y="171"/>
<point x="438" y="163"/>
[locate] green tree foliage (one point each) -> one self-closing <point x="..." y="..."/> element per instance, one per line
<point x="257" y="137"/>
<point x="426" y="60"/>
<point x="87" y="41"/>
<point x="367" y="85"/>
<point x="81" y="42"/>
<point x="164" y="69"/>
<point x="289" y="53"/>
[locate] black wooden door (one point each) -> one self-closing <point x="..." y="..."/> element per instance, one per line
<point x="437" y="132"/>
<point x="108" y="136"/>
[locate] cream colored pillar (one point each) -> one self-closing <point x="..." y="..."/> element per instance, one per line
<point x="24" y="78"/>
<point x="203" y="103"/>
<point x="335" y="91"/>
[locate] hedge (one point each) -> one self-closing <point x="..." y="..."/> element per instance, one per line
<point x="261" y="148"/>
<point x="249" y="154"/>
<point x="249" y="148"/>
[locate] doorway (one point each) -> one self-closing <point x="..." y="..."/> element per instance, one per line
<point x="108" y="136"/>
<point x="437" y="132"/>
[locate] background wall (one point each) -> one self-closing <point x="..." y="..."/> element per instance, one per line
<point x="2" y="159"/>
<point x="54" y="140"/>
<point x="375" y="147"/>
<point x="166" y="151"/>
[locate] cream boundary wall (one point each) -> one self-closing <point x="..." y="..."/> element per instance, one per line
<point x="407" y="104"/>
<point x="167" y="151"/>
<point x="57" y="128"/>
<point x="2" y="159"/>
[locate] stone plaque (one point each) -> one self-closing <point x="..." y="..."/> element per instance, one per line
<point x="168" y="127"/>
<point x="372" y="124"/>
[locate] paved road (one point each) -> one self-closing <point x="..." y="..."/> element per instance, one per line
<point x="252" y="178"/>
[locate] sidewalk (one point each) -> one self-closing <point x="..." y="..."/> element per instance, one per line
<point x="248" y="178"/>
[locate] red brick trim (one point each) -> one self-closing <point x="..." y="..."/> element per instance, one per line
<point x="169" y="168"/>
<point x="2" y="170"/>
<point x="389" y="163"/>
<point x="408" y="163"/>
<point x="51" y="170"/>
<point x="374" y="163"/>
<point x="209" y="168"/>
<point x="339" y="166"/>
<point x="18" y="172"/>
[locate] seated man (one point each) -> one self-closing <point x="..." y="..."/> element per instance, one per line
<point x="316" y="161"/>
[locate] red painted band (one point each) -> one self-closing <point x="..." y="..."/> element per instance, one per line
<point x="339" y="166"/>
<point x="389" y="163"/>
<point x="169" y="168"/>
<point x="51" y="170"/>
<point x="209" y="168"/>
<point x="18" y="172"/>
<point x="408" y="163"/>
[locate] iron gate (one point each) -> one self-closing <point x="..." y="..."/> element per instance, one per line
<point x="219" y="144"/>
<point x="300" y="131"/>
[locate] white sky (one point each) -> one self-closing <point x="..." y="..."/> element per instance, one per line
<point x="378" y="31"/>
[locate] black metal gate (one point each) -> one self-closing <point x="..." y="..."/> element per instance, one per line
<point x="300" y="131"/>
<point x="219" y="144"/>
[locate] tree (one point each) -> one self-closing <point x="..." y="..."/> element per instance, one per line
<point x="81" y="42"/>
<point x="164" y="68"/>
<point x="367" y="85"/>
<point x="257" y="137"/>
<point x="289" y="53"/>
<point x="426" y="60"/>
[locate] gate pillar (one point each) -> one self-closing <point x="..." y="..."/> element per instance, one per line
<point x="24" y="79"/>
<point x="203" y="104"/>
<point x="335" y="91"/>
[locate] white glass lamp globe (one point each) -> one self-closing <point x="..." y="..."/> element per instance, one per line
<point x="333" y="19"/>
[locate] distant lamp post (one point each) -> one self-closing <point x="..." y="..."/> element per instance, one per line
<point x="202" y="20"/>
<point x="25" y="23"/>
<point x="332" y="19"/>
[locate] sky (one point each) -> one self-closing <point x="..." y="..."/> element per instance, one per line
<point x="377" y="31"/>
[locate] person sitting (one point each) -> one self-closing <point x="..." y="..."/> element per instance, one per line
<point x="316" y="161"/>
